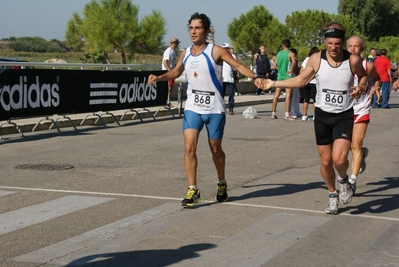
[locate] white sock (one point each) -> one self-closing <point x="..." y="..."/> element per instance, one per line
<point x="222" y="181"/>
<point x="287" y="114"/>
<point x="353" y="177"/>
<point x="193" y="186"/>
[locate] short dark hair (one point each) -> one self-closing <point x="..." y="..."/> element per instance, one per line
<point x="286" y="43"/>
<point x="313" y="50"/>
<point x="205" y="20"/>
<point x="384" y="52"/>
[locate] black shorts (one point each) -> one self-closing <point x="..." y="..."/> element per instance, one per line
<point x="331" y="126"/>
<point x="309" y="92"/>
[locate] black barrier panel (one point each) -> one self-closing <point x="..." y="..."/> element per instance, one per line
<point x="113" y="90"/>
<point x="40" y="92"/>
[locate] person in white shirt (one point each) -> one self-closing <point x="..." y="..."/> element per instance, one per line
<point x="310" y="88"/>
<point x="168" y="63"/>
<point x="228" y="79"/>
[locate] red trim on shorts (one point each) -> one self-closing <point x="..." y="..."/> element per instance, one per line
<point x="171" y="82"/>
<point x="365" y="118"/>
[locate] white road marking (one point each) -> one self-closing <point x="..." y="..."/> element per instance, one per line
<point x="5" y="193"/>
<point x="114" y="237"/>
<point x="204" y="201"/>
<point x="24" y="217"/>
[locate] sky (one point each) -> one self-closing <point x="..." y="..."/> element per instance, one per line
<point x="48" y="18"/>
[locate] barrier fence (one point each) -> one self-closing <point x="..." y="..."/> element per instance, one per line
<point x="39" y="92"/>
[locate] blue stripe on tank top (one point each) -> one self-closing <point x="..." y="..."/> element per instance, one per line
<point x="212" y="72"/>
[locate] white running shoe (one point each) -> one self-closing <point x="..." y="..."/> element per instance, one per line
<point x="346" y="191"/>
<point x="289" y="118"/>
<point x="352" y="181"/>
<point x="332" y="205"/>
<point x="304" y="118"/>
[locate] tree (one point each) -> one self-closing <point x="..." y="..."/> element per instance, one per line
<point x="307" y="26"/>
<point x="255" y="28"/>
<point x="390" y="43"/>
<point x="109" y="25"/>
<point x="373" y="18"/>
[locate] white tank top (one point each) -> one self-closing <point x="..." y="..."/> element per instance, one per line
<point x="362" y="105"/>
<point x="334" y="85"/>
<point x="205" y="83"/>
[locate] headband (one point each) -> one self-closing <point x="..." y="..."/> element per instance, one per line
<point x="334" y="32"/>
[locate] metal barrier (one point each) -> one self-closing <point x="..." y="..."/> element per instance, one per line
<point x="27" y="70"/>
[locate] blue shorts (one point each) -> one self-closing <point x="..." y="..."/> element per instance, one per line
<point x="214" y="123"/>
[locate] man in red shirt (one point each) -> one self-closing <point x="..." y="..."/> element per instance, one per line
<point x="383" y="67"/>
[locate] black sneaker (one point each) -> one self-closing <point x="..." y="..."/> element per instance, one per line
<point x="193" y="196"/>
<point x="221" y="195"/>
<point x="365" y="153"/>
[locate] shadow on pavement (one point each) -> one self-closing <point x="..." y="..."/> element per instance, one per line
<point x="142" y="258"/>
<point x="384" y="203"/>
<point x="284" y="189"/>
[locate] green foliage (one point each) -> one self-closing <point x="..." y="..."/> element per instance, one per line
<point x="390" y="43"/>
<point x="96" y="57"/>
<point x="73" y="36"/>
<point x="109" y="25"/>
<point x="373" y="18"/>
<point x="151" y="35"/>
<point x="36" y="44"/>
<point x="255" y="28"/>
<point x="307" y="26"/>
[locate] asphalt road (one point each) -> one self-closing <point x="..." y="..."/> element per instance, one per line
<point x="110" y="196"/>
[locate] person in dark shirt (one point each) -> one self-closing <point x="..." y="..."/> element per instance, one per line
<point x="262" y="66"/>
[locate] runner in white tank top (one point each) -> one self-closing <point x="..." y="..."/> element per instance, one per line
<point x="205" y="103"/>
<point x="334" y="69"/>
<point x="205" y="82"/>
<point x="362" y="105"/>
<point x="334" y="85"/>
<point x="362" y="108"/>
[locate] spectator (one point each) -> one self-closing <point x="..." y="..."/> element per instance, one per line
<point x="295" y="95"/>
<point x="285" y="61"/>
<point x="383" y="67"/>
<point x="372" y="55"/>
<point x="236" y="73"/>
<point x="168" y="63"/>
<point x="228" y="80"/>
<point x="262" y="66"/>
<point x="309" y="89"/>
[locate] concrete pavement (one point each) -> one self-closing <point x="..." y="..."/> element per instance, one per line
<point x="110" y="196"/>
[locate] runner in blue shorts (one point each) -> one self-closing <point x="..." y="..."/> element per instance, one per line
<point x="205" y="104"/>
